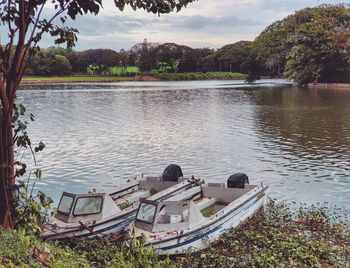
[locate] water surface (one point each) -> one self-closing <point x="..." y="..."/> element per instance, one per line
<point x="296" y="141"/>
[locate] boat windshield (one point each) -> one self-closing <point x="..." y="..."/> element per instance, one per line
<point x="146" y="212"/>
<point x="88" y="205"/>
<point x="65" y="205"/>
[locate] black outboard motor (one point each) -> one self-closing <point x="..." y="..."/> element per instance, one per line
<point x="172" y="173"/>
<point x="237" y="180"/>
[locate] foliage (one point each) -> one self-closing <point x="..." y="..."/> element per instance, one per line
<point x="154" y="6"/>
<point x="153" y="57"/>
<point x="231" y="57"/>
<point x="61" y="66"/>
<point x="312" y="45"/>
<point x="95" y="61"/>
<point x="31" y="209"/>
<point x="253" y="67"/>
<point x="282" y="236"/>
<point x="311" y="236"/>
<point x="28" y="251"/>
<point x="18" y="249"/>
<point x="169" y="54"/>
<point x="74" y="79"/>
<point x="49" y="61"/>
<point x="107" y="253"/>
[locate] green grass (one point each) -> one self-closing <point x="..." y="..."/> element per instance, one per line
<point x="201" y="76"/>
<point x="73" y="78"/>
<point x="20" y="250"/>
<point x="125" y="70"/>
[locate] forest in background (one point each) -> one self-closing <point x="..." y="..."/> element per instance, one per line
<point x="311" y="45"/>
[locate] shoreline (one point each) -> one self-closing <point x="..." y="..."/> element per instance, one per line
<point x="42" y="80"/>
<point x="329" y="86"/>
<point x="56" y="80"/>
<point x="52" y="80"/>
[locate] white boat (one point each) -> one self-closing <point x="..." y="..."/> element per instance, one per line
<point x="86" y="215"/>
<point x="192" y="219"/>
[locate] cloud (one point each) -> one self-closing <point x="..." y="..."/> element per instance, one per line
<point x="101" y="25"/>
<point x="204" y="23"/>
<point x="199" y="22"/>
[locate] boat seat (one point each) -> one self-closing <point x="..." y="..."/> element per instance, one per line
<point x="201" y="204"/>
<point x="205" y="202"/>
<point x="216" y="184"/>
<point x="169" y="218"/>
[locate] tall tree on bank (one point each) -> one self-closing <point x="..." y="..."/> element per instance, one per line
<point x="312" y="45"/>
<point x="23" y="23"/>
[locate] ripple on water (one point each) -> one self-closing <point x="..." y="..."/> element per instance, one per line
<point x="96" y="134"/>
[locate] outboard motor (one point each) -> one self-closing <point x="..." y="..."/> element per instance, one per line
<point x="237" y="180"/>
<point x="172" y="173"/>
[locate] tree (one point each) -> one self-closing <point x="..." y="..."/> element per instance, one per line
<point x="168" y="54"/>
<point x="192" y="59"/>
<point x="25" y="22"/>
<point x="171" y="57"/>
<point x="232" y="56"/>
<point x="103" y="59"/>
<point x="312" y="45"/>
<point x="49" y="62"/>
<point x="61" y="66"/>
<point x="321" y="47"/>
<point x="139" y="52"/>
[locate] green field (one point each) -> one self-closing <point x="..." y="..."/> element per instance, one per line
<point x="74" y="79"/>
<point x="125" y="70"/>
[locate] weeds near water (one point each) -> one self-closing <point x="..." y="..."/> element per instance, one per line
<point x="105" y="252"/>
<point x="312" y="236"/>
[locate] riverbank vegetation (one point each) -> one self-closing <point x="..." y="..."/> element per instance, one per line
<point x="311" y="45"/>
<point x="200" y="76"/>
<point x="73" y="79"/>
<point x="282" y="236"/>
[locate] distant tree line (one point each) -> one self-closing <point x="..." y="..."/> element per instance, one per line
<point x="148" y="57"/>
<point x="312" y="45"/>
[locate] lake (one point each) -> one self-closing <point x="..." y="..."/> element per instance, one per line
<point x="295" y="140"/>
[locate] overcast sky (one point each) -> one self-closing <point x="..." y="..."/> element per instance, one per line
<point x="205" y="23"/>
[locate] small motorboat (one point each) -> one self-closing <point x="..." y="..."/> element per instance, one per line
<point x="192" y="219"/>
<point x="91" y="214"/>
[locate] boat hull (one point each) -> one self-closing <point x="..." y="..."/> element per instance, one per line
<point x="201" y="237"/>
<point x="113" y="225"/>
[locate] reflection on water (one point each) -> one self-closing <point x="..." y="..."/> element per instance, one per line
<point x="297" y="141"/>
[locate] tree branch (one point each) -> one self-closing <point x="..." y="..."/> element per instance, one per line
<point x="36" y="22"/>
<point x="4" y="99"/>
<point x="30" y="44"/>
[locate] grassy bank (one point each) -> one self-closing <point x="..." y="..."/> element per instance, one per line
<point x="313" y="236"/>
<point x="201" y="76"/>
<point x="74" y="79"/>
<point x="32" y="80"/>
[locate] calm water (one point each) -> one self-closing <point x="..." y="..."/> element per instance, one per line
<point x="296" y="141"/>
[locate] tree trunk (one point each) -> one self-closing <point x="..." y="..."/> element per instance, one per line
<point x="7" y="177"/>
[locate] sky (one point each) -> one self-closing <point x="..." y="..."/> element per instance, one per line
<point x="205" y="23"/>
